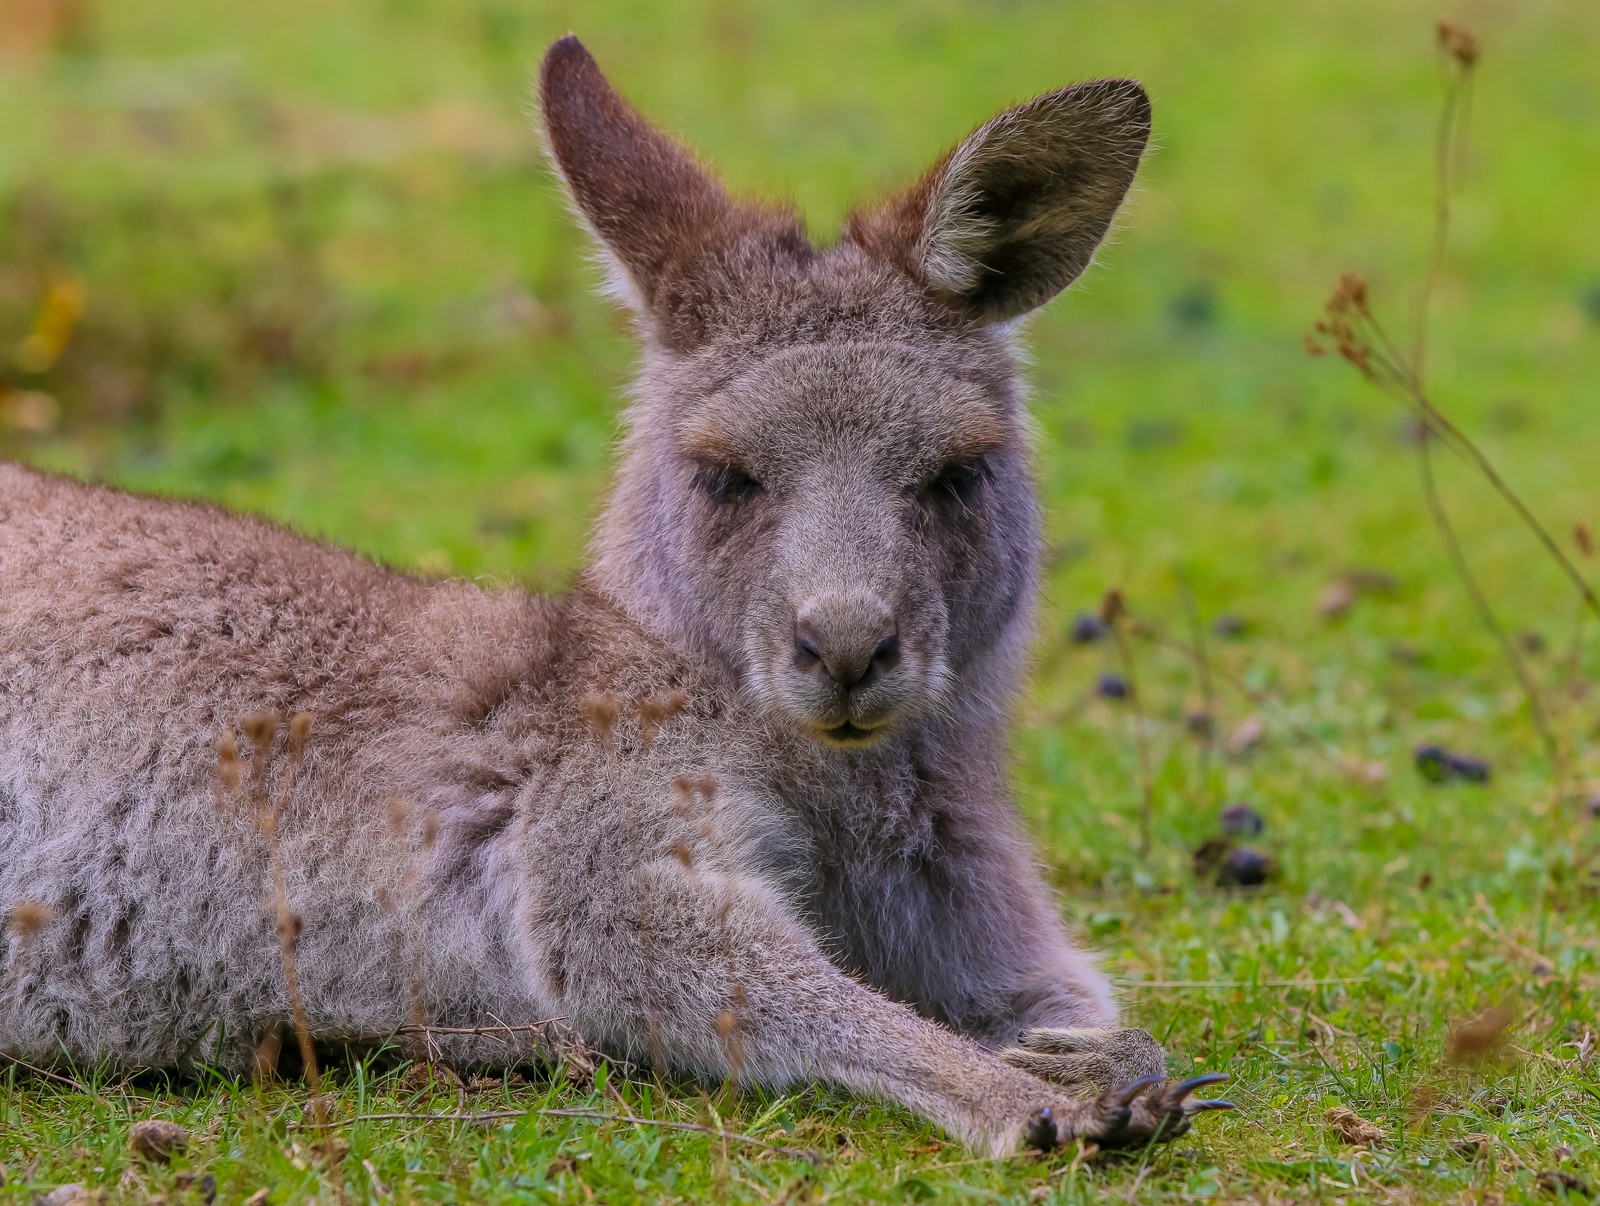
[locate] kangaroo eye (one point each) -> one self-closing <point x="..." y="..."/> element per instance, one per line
<point x="725" y="484"/>
<point x="959" y="481"/>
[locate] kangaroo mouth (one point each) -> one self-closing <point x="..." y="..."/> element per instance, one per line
<point x="848" y="734"/>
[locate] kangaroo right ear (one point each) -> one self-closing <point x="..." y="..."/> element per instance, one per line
<point x="654" y="208"/>
<point x="1011" y="216"/>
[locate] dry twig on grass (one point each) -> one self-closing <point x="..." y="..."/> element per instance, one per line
<point x="1350" y="329"/>
<point x="1114" y="615"/>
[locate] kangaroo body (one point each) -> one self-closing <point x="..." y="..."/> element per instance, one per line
<point x="736" y="803"/>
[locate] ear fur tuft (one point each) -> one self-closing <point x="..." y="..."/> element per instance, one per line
<point x="1014" y="213"/>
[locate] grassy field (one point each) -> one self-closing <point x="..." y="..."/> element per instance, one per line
<point x="301" y="258"/>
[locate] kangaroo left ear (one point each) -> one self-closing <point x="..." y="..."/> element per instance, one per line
<point x="652" y="205"/>
<point x="1011" y="216"/>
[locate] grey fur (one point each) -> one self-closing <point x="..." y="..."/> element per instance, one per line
<point x="646" y="805"/>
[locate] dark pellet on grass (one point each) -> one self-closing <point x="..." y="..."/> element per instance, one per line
<point x="1473" y="770"/>
<point x="1229" y="626"/>
<point x="1244" y="868"/>
<point x="1438" y="765"/>
<point x="1432" y="763"/>
<point x="1112" y="686"/>
<point x="1406" y="655"/>
<point x="1087" y="629"/>
<point x="1241" y="820"/>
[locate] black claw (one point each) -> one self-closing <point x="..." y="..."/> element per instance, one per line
<point x="1129" y="1091"/>
<point x="1200" y="1107"/>
<point x="1041" y="1133"/>
<point x="1182" y="1089"/>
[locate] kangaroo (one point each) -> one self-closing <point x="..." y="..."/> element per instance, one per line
<point x="735" y="805"/>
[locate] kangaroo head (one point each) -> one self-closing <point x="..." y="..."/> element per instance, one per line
<point x="825" y="483"/>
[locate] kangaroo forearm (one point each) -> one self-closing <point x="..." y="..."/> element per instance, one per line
<point x="716" y="979"/>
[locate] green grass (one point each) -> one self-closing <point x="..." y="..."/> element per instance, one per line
<point x="327" y="280"/>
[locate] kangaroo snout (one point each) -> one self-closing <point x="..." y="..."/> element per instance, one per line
<point x="850" y="641"/>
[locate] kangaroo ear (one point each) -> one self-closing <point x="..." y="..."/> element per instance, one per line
<point x="656" y="210"/>
<point x="1011" y="216"/>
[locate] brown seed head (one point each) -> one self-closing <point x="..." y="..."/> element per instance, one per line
<point x="399" y="814"/>
<point x="262" y="730"/>
<point x="299" y="731"/>
<point x="290" y="924"/>
<point x="430" y="829"/>
<point x="1349" y="293"/>
<point x="1112" y="606"/>
<point x="725" y="1023"/>
<point x="1582" y="538"/>
<point x="601" y="712"/>
<point x="681" y="852"/>
<point x="28" y="918"/>
<point x="230" y="771"/>
<point x="656" y="710"/>
<point x="1459" y="42"/>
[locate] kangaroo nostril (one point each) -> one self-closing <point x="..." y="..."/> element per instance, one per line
<point x="887" y="655"/>
<point x="807" y="650"/>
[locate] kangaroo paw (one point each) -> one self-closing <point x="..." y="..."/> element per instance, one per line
<point x="1097" y="1059"/>
<point x="1160" y="1111"/>
<point x="1147" y="1110"/>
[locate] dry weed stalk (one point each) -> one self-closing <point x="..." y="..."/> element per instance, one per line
<point x="1349" y="328"/>
<point x="1113" y="614"/>
<point x="267" y="809"/>
<point x="401" y="815"/>
<point x="603" y="712"/>
<point x="694" y="799"/>
<point x="1584" y="543"/>
<point x="1203" y="723"/>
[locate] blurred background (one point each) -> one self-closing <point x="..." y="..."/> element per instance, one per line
<point x="303" y="258"/>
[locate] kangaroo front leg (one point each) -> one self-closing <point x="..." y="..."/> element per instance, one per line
<point x="709" y="972"/>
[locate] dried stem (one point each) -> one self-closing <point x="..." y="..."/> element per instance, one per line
<point x="1451" y="131"/>
<point x="13" y="1061"/>
<point x="262" y="729"/>
<point x="1508" y="647"/>
<point x="1355" y="333"/>
<point x="1112" y="612"/>
<point x="1208" y="690"/>
<point x="538" y="1027"/>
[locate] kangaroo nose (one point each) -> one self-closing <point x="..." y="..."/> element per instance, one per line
<point x="848" y="641"/>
